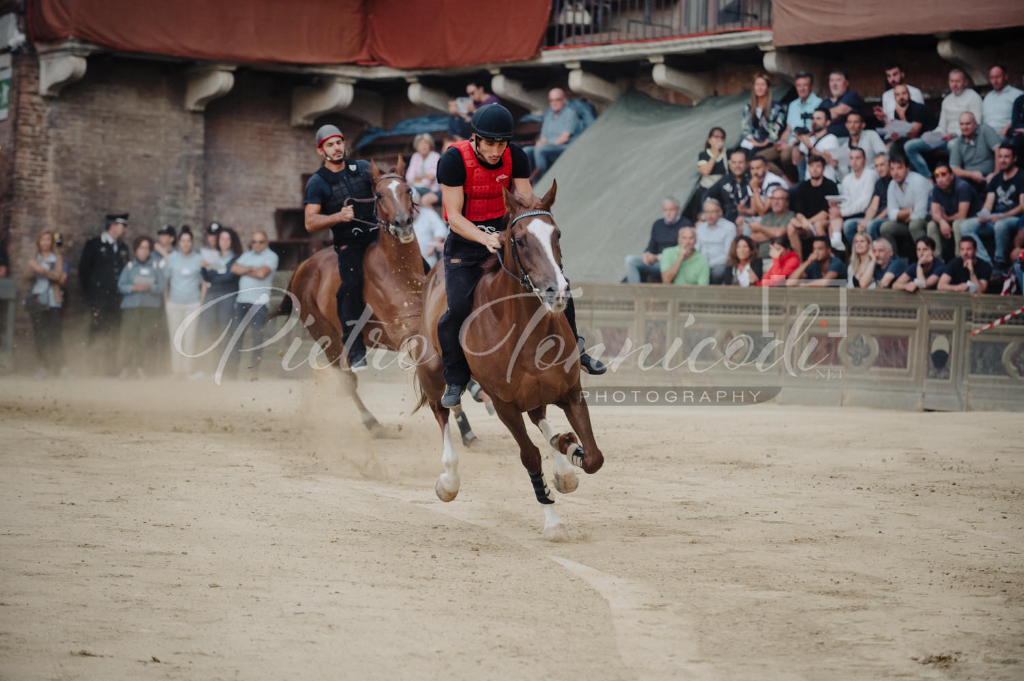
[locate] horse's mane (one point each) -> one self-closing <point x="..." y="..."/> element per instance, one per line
<point x="492" y="264"/>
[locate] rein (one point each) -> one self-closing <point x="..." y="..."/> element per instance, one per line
<point x="376" y="197"/>
<point x="523" y="278"/>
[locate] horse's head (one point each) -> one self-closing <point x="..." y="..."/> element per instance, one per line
<point x="533" y="247"/>
<point x="394" y="201"/>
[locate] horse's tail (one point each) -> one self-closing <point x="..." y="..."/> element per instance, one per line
<point x="419" y="392"/>
<point x="285" y="308"/>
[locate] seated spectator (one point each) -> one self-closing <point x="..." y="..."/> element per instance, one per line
<point x="558" y="128"/>
<point x="972" y="155"/>
<point x="762" y="181"/>
<point x="1000" y="216"/>
<point x="664" y="234"/>
<point x="733" y="189"/>
<point x="876" y="212"/>
<point x="766" y="229"/>
<point x="966" y="273"/>
<point x="784" y="263"/>
<point x="798" y="117"/>
<point x="422" y="171"/>
<point x="894" y="76"/>
<point x="820" y="268"/>
<point x="256" y="269"/>
<point x="924" y="274"/>
<point x="744" y="265"/>
<point x="460" y="125"/>
<point x="952" y="202"/>
<point x="907" y="205"/>
<point x="859" y="189"/>
<point x="764" y="121"/>
<point x="1017" y="126"/>
<point x="480" y="97"/>
<point x="821" y="142"/>
<point x="885" y="269"/>
<point x="867" y="140"/>
<point x="997" y="106"/>
<point x="682" y="264"/>
<point x="862" y="261"/>
<point x="714" y="237"/>
<point x="907" y="110"/>
<point x="1014" y="283"/>
<point x="842" y="101"/>
<point x="431" y="231"/>
<point x="44" y="302"/>
<point x="711" y="161"/>
<point x="810" y="205"/>
<point x="960" y="99"/>
<point x="141" y="285"/>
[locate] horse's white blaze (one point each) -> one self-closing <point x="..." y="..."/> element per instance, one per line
<point x="543" y="231"/>
<point x="562" y="465"/>
<point x="394" y="190"/>
<point x="450" y="461"/>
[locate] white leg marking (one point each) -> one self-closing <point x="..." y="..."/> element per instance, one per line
<point x="543" y="231"/>
<point x="565" y="476"/>
<point x="448" y="483"/>
<point x="554" y="528"/>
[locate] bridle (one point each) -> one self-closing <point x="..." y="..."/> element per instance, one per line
<point x="523" y="278"/>
<point x="377" y="197"/>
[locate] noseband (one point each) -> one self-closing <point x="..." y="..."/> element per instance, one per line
<point x="376" y="197"/>
<point x="523" y="278"/>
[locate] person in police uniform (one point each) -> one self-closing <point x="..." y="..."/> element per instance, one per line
<point x="472" y="174"/>
<point x="353" y="226"/>
<point x="103" y="258"/>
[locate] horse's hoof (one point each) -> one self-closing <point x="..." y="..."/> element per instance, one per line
<point x="556" y="533"/>
<point x="567" y="484"/>
<point x="475" y="443"/>
<point x="443" y="493"/>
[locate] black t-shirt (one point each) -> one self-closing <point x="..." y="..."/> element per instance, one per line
<point x="919" y="113"/>
<point x="663" y="236"/>
<point x="809" y="200"/>
<point x="882" y="192"/>
<point x="730" y="192"/>
<point x="1007" y="192"/>
<point x="719" y="167"/>
<point x="960" y="192"/>
<point x="451" y="169"/>
<point x="958" y="274"/>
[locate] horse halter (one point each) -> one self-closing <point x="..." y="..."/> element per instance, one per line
<point x="376" y="197"/>
<point x="523" y="278"/>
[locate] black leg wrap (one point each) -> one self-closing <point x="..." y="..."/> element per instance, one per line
<point x="464" y="428"/>
<point x="576" y="456"/>
<point x="540" y="488"/>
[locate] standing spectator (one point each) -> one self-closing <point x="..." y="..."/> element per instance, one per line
<point x="997" y="106"/>
<point x="422" y="172"/>
<point x="842" y="101"/>
<point x="907" y="204"/>
<point x="184" y="293"/>
<point x="972" y="155"/>
<point x="764" y="121"/>
<point x="256" y="269"/>
<point x="907" y="110"/>
<point x="212" y="234"/>
<point x="862" y="261"/>
<point x="819" y="141"/>
<point x="925" y="273"/>
<point x="798" y="117"/>
<point x="165" y="237"/>
<point x="711" y="161"/>
<point x="784" y="263"/>
<point x="480" y="97"/>
<point x="810" y="205"/>
<point x="714" y="237"/>
<point x="766" y="229"/>
<point x="867" y="140"/>
<point x="664" y="234"/>
<point x="885" y="267"/>
<point x="733" y="189"/>
<point x="966" y="273"/>
<point x="142" y="285"/>
<point x="219" y="317"/>
<point x="859" y="189"/>
<point x="1000" y="216"/>
<point x="102" y="260"/>
<point x="431" y="232"/>
<point x="952" y="202"/>
<point x="557" y="129"/>
<point x="744" y="266"/>
<point x="960" y="99"/>
<point x="894" y="76"/>
<point x="459" y="125"/>
<point x="682" y="264"/>
<point x="820" y="268"/>
<point x="44" y="302"/>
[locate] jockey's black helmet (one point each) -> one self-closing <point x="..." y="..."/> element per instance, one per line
<point x="494" y="122"/>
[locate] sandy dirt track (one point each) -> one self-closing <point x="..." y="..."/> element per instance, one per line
<point x="170" y="530"/>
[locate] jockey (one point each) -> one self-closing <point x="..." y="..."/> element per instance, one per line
<point x="472" y="174"/>
<point x="354" y="227"/>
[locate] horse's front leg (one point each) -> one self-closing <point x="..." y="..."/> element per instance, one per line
<point x="566" y="481"/>
<point x="447" y="487"/>
<point x="529" y="454"/>
<point x="590" y="459"/>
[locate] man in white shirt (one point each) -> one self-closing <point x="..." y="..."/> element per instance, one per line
<point x="960" y="99"/>
<point x="821" y="141"/>
<point x="859" y="188"/>
<point x="714" y="237"/>
<point x="907" y="205"/>
<point x="894" y="76"/>
<point x="868" y="140"/>
<point x="997" y="106"/>
<point x="256" y="269"/>
<point x="798" y="115"/>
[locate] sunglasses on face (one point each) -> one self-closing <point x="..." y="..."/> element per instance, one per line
<point x="941" y="173"/>
<point x="255" y="242"/>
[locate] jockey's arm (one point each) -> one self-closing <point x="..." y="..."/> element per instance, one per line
<point x="314" y="221"/>
<point x="453" y="198"/>
<point x="523" y="187"/>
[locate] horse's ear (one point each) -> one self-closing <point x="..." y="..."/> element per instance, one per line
<point x="374" y="171"/>
<point x="549" y="198"/>
<point x="400" y="168"/>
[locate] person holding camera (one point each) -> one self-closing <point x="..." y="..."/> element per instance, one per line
<point x="798" y="115"/>
<point x="44" y="302"/>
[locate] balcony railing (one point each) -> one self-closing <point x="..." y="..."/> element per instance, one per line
<point x="596" y="22"/>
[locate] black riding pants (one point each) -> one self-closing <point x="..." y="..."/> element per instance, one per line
<point x="350" y="294"/>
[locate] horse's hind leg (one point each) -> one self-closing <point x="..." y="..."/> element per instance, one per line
<point x="447" y="487"/>
<point x="469" y="438"/>
<point x="566" y="481"/>
<point x="554" y="528"/>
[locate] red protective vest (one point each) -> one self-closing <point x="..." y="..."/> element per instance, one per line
<point x="484" y="199"/>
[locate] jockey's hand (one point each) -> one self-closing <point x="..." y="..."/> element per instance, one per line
<point x="347" y="213"/>
<point x="491" y="242"/>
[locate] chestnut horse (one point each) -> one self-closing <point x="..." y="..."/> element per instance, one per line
<point x="393" y="279"/>
<point x="521" y="350"/>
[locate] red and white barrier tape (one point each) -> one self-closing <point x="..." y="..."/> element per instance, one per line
<point x="997" y="322"/>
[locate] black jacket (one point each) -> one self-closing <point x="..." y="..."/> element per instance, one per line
<point x="99" y="269"/>
<point x="756" y="264"/>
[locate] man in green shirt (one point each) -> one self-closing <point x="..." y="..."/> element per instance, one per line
<point x="682" y="264"/>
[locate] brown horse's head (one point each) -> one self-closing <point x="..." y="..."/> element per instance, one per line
<point x="394" y="201"/>
<point x="532" y="247"/>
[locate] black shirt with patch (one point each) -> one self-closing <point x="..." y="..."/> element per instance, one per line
<point x="1007" y="192"/>
<point x="730" y="192"/>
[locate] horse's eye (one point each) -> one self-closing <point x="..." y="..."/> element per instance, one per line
<point x="520" y="242"/>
